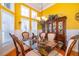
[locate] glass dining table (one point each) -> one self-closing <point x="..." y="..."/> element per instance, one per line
<point x="40" y="47"/>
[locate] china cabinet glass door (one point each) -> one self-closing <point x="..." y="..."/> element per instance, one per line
<point x="50" y="27"/>
<point x="60" y="27"/>
<point x="54" y="27"/>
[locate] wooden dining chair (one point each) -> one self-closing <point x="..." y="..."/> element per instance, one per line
<point x="34" y="38"/>
<point x="51" y="39"/>
<point x="51" y="36"/>
<point x="26" y="47"/>
<point x="42" y="35"/>
<point x="42" y="38"/>
<point x="17" y="52"/>
<point x="57" y="52"/>
<point x="20" y="46"/>
<point x="25" y="36"/>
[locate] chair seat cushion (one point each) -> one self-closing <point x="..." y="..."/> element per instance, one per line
<point x="51" y="44"/>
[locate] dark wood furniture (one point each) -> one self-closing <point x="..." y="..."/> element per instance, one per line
<point x="20" y="48"/>
<point x="43" y="36"/>
<point x="76" y="37"/>
<point x="71" y="47"/>
<point x="58" y="26"/>
<point x="18" y="51"/>
<point x="25" y="36"/>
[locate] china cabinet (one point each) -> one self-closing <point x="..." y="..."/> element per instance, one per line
<point x="58" y="26"/>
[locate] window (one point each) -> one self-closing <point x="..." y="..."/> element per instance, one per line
<point x="7" y="26"/>
<point x="25" y="11"/>
<point x="34" y="14"/>
<point x="9" y="6"/>
<point x="34" y="27"/>
<point x="25" y="25"/>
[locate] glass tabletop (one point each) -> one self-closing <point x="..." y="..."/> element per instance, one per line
<point x="41" y="47"/>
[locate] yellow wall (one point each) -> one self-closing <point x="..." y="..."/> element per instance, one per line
<point x="64" y="9"/>
<point x="18" y="15"/>
<point x="39" y="26"/>
<point x="68" y="10"/>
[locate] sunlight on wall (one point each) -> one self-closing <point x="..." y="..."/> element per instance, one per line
<point x="65" y="9"/>
<point x="17" y="16"/>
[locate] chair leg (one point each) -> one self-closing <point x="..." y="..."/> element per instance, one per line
<point x="17" y="53"/>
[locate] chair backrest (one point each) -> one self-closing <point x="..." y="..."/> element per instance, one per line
<point x="70" y="46"/>
<point x="18" y="33"/>
<point x="12" y="36"/>
<point x="18" y="45"/>
<point x="42" y="35"/>
<point x="32" y="35"/>
<point x="51" y="36"/>
<point x="25" y="35"/>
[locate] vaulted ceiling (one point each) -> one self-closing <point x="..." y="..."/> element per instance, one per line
<point x="40" y="6"/>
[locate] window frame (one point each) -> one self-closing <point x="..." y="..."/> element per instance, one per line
<point x="12" y="6"/>
<point x="25" y="13"/>
<point x="33" y="14"/>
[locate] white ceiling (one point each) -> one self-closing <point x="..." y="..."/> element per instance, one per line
<point x="40" y="6"/>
